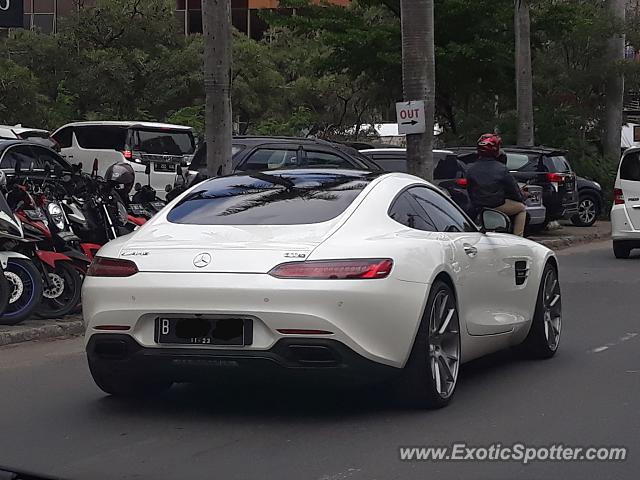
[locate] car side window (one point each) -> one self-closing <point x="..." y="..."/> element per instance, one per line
<point x="101" y="137"/>
<point x="446" y="216"/>
<point x="270" y="159"/>
<point x="315" y="158"/>
<point x="44" y="156"/>
<point x="15" y="155"/>
<point x="404" y="210"/>
<point x="630" y="167"/>
<point x="63" y="137"/>
<point x="391" y="163"/>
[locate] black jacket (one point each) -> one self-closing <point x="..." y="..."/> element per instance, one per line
<point x="490" y="183"/>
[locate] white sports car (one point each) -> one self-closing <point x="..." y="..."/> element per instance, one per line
<point x="339" y="273"/>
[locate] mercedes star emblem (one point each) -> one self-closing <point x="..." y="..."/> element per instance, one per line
<point x="202" y="260"/>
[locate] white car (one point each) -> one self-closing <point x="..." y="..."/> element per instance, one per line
<point x="154" y="150"/>
<point x="625" y="213"/>
<point x="340" y="273"/>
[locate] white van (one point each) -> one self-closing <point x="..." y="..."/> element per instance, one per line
<point x="161" y="146"/>
<point x="625" y="213"/>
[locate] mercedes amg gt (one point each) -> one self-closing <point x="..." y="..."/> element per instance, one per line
<point x="343" y="274"/>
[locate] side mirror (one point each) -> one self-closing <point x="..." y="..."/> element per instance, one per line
<point x="494" y="221"/>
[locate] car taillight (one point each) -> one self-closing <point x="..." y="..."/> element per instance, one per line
<point x="462" y="182"/>
<point x="111" y="267"/>
<point x="128" y="154"/>
<point x="618" y="196"/>
<point x="556" y="177"/>
<point x="335" y="269"/>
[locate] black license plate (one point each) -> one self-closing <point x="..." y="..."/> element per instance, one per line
<point x="165" y="167"/>
<point x="204" y="331"/>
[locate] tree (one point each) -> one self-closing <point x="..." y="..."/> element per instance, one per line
<point x="524" y="75"/>
<point x="216" y="24"/>
<point x="615" y="83"/>
<point x="419" y="79"/>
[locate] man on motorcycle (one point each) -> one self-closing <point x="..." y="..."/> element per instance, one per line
<point x="492" y="186"/>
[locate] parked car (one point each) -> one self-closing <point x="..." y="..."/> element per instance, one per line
<point x="29" y="154"/>
<point x="625" y="213"/>
<point x="162" y="146"/>
<point x="37" y="135"/>
<point x="264" y="258"/>
<point x="450" y="174"/>
<point x="257" y="153"/>
<point x="590" y="202"/>
<point x="546" y="167"/>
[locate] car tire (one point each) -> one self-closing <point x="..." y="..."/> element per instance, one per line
<point x="424" y="381"/>
<point x="588" y="210"/>
<point x="543" y="338"/>
<point x="621" y="249"/>
<point x="126" y="385"/>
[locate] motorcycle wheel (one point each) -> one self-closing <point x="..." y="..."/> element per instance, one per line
<point x="5" y="292"/>
<point x="62" y="294"/>
<point x="25" y="290"/>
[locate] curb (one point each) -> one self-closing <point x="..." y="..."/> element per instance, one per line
<point x="561" y="243"/>
<point x="43" y="329"/>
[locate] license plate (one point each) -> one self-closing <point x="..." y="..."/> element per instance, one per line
<point x="164" y="167"/>
<point x="204" y="331"/>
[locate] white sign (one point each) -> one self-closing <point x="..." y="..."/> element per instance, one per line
<point x="411" y="117"/>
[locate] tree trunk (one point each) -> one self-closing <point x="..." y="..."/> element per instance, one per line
<point x="524" y="74"/>
<point x="216" y="26"/>
<point x="418" y="79"/>
<point x="615" y="85"/>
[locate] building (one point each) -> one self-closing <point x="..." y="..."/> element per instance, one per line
<point x="43" y="14"/>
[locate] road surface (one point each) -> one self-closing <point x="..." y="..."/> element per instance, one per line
<point x="54" y="420"/>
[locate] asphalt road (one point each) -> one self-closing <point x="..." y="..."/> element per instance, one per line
<point x="54" y="420"/>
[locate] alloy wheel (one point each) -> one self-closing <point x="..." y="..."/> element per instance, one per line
<point x="444" y="343"/>
<point x="552" y="307"/>
<point x="587" y="211"/>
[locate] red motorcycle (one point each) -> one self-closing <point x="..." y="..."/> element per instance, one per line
<point x="61" y="272"/>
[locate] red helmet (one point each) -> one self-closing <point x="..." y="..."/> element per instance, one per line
<point x="489" y="145"/>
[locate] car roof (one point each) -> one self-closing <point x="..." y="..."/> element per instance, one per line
<point x="127" y="124"/>
<point x="397" y="150"/>
<point x="519" y="149"/>
<point x="20" y="129"/>
<point x="255" y="139"/>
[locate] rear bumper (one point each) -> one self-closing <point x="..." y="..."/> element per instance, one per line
<point x="621" y="226"/>
<point x="537" y="215"/>
<point x="292" y="358"/>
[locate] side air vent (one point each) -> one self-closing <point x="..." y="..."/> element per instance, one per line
<point x="522" y="272"/>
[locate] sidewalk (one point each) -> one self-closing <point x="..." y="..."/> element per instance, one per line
<point x="40" y="329"/>
<point x="569" y="235"/>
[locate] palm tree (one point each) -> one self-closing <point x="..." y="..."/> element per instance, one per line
<point x="615" y="83"/>
<point x="216" y="26"/>
<point x="418" y="79"/>
<point x="524" y="75"/>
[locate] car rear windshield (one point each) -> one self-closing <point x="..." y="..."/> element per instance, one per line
<point x="630" y="167"/>
<point x="276" y="198"/>
<point x="163" y="141"/>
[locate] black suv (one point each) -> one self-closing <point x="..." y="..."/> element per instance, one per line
<point x="269" y="153"/>
<point x="547" y="167"/>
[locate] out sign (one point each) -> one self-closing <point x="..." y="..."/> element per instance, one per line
<point x="410" y="117"/>
<point x="11" y="12"/>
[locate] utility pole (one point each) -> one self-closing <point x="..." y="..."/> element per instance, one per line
<point x="524" y="74"/>
<point x="216" y="27"/>
<point x="614" y="92"/>
<point x="418" y="79"/>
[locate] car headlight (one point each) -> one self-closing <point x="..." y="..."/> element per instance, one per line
<point x="57" y="216"/>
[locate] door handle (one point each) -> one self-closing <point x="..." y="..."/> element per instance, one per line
<point x="470" y="250"/>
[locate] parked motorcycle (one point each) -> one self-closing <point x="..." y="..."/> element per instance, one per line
<point x="43" y="221"/>
<point x="21" y="284"/>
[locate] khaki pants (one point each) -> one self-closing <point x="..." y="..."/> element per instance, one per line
<point x="516" y="210"/>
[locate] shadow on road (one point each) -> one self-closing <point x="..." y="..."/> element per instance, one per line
<point x="300" y="401"/>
